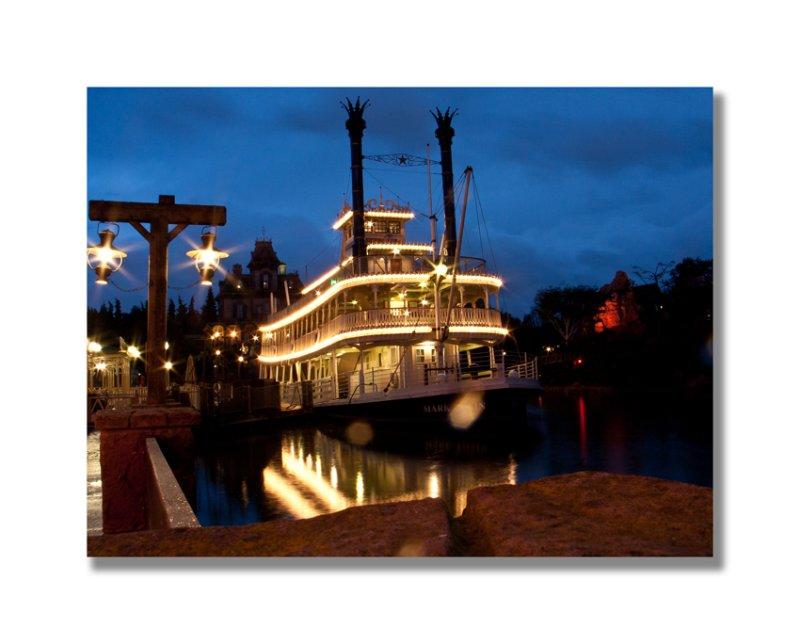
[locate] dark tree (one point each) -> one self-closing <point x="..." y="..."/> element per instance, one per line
<point x="194" y="324"/>
<point x="691" y="295"/>
<point x="569" y="310"/>
<point x="208" y="313"/>
<point x="655" y="275"/>
<point x="691" y="273"/>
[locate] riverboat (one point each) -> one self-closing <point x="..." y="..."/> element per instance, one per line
<point x="399" y="331"/>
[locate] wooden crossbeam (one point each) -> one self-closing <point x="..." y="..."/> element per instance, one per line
<point x="166" y="208"/>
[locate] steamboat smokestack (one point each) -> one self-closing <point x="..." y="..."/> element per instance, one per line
<point x="356" y="125"/>
<point x="445" y="134"/>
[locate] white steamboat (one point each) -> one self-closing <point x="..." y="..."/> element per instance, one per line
<point x="398" y="330"/>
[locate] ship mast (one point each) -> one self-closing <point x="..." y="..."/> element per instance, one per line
<point x="441" y="329"/>
<point x="431" y="216"/>
<point x="451" y="299"/>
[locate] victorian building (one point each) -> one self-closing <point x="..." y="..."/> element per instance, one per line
<point x="267" y="288"/>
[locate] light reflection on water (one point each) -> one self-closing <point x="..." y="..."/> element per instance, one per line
<point x="303" y="472"/>
<point x="319" y="474"/>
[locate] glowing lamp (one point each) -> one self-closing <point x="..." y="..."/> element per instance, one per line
<point x="104" y="258"/>
<point x="93" y="347"/>
<point x="206" y="259"/>
<point x="440" y="270"/>
<point x="133" y="352"/>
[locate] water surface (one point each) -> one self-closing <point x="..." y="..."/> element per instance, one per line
<point x="304" y="471"/>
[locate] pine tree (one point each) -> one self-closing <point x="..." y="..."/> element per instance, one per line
<point x="171" y="326"/>
<point x="208" y="313"/>
<point x="193" y="323"/>
<point x="182" y="311"/>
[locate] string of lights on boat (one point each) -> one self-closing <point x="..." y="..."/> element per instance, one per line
<point x="367" y="334"/>
<point x="379" y="278"/>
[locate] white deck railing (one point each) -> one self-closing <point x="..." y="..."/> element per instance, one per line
<point x="351" y="387"/>
<point x="411" y="263"/>
<point x="378" y="319"/>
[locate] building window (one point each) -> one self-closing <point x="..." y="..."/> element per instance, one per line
<point x="419" y="355"/>
<point x="394" y="227"/>
<point x="379" y="227"/>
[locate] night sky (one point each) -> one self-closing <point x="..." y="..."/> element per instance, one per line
<point x="574" y="183"/>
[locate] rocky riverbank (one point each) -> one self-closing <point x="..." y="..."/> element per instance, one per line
<point x="581" y="514"/>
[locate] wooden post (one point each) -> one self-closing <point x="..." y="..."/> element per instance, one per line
<point x="156" y="354"/>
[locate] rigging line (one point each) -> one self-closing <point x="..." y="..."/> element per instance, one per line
<point x="501" y="296"/>
<point x="383" y="185"/>
<point x="325" y="249"/>
<point x="478" y="220"/>
<point x="459" y="189"/>
<point x="485" y="225"/>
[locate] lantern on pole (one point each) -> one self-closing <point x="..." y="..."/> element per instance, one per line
<point x="159" y="216"/>
<point x="105" y="258"/>
<point x="206" y="259"/>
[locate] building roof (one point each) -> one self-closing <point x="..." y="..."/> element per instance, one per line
<point x="263" y="256"/>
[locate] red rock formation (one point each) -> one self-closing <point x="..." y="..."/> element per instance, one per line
<point x="619" y="309"/>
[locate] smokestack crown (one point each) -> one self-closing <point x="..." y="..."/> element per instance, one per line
<point x="355" y="123"/>
<point x="444" y="131"/>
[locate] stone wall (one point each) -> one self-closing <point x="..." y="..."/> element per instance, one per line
<point x="583" y="514"/>
<point x="167" y="507"/>
<point x="124" y="463"/>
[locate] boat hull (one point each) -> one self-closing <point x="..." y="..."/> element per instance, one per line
<point x="461" y="408"/>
